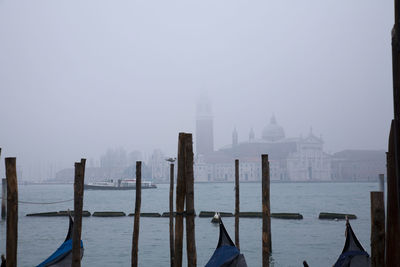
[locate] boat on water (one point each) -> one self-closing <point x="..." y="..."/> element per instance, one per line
<point x="226" y="254"/>
<point x="353" y="254"/>
<point x="62" y="257"/>
<point x="121" y="184"/>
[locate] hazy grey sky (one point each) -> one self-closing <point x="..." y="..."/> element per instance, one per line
<point x="78" y="77"/>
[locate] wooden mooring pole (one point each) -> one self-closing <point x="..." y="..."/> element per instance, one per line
<point x="12" y="212"/>
<point x="237" y="204"/>
<point x="190" y="212"/>
<point x="377" y="230"/>
<point x="180" y="200"/>
<point x="78" y="206"/>
<point x="3" y="198"/>
<point x="171" y="213"/>
<point x="392" y="255"/>
<point x="138" y="201"/>
<point x="266" y="212"/>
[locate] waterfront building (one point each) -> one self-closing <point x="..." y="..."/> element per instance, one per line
<point x="358" y="165"/>
<point x="291" y="159"/>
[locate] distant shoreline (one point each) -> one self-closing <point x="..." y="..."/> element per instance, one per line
<point x="219" y="182"/>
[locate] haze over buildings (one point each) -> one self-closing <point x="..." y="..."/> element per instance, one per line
<point x="290" y="158"/>
<point x="77" y="78"/>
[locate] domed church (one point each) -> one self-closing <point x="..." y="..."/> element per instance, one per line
<point x="291" y="159"/>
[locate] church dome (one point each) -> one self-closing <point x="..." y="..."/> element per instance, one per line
<point x="273" y="132"/>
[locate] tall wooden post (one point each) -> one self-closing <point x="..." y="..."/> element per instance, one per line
<point x="3" y="198"/>
<point x="266" y="212"/>
<point x="237" y="204"/>
<point x="138" y="201"/>
<point x="396" y="86"/>
<point x="392" y="206"/>
<point x="171" y="213"/>
<point x="377" y="230"/>
<point x="12" y="212"/>
<point x="190" y="226"/>
<point x="78" y="206"/>
<point x="393" y="156"/>
<point x="180" y="200"/>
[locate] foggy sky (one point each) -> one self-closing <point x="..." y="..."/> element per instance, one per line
<point x="78" y="77"/>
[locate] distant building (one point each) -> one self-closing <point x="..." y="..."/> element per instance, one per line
<point x="291" y="159"/>
<point x="358" y="165"/>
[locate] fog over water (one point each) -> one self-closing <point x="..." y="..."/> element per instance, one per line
<point x="78" y="77"/>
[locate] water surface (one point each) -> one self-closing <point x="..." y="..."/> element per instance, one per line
<point x="108" y="241"/>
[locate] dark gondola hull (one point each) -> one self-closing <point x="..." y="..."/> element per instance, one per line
<point x="62" y="257"/>
<point x="353" y="254"/>
<point x="226" y="254"/>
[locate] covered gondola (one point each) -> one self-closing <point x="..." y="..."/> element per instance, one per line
<point x="353" y="254"/>
<point x="226" y="254"/>
<point x="62" y="257"/>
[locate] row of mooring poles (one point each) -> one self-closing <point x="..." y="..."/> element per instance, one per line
<point x="266" y="210"/>
<point x="12" y="212"/>
<point x="184" y="195"/>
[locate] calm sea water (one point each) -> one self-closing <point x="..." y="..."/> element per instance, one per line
<point x="108" y="241"/>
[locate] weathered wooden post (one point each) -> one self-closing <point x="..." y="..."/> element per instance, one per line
<point x="3" y="198"/>
<point x="266" y="212"/>
<point x="12" y="212"/>
<point x="138" y="201"/>
<point x="237" y="204"/>
<point x="180" y="201"/>
<point x="171" y="213"/>
<point x="392" y="257"/>
<point x="393" y="156"/>
<point x="78" y="206"/>
<point x="190" y="226"/>
<point x="377" y="230"/>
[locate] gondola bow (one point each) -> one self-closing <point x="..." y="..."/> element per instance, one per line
<point x="62" y="257"/>
<point x="353" y="254"/>
<point x="226" y="254"/>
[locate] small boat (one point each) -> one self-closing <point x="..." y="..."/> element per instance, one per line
<point x="353" y="254"/>
<point x="226" y="254"/>
<point x="121" y="184"/>
<point x="62" y="257"/>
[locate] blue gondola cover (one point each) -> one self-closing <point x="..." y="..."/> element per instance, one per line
<point x="226" y="254"/>
<point x="353" y="254"/>
<point x="63" y="255"/>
